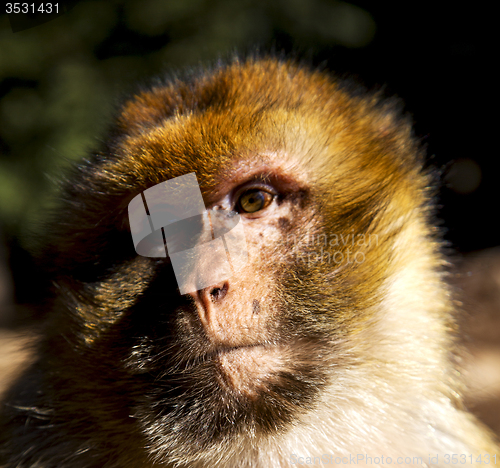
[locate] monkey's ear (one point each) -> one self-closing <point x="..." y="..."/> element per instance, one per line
<point x="148" y="109"/>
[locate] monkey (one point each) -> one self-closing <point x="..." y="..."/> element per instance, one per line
<point x="334" y="343"/>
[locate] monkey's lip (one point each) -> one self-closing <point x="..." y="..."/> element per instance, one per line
<point x="223" y="350"/>
<point x="232" y="349"/>
<point x="228" y="349"/>
<point x="250" y="368"/>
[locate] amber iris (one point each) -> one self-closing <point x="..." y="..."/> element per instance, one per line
<point x="254" y="200"/>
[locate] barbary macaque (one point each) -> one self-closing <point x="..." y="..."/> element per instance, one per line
<point x="334" y="342"/>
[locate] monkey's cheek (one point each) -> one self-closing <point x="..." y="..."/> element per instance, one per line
<point x="250" y="370"/>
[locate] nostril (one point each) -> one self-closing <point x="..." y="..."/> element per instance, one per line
<point x="218" y="293"/>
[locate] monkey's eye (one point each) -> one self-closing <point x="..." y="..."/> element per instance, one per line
<point x="254" y="200"/>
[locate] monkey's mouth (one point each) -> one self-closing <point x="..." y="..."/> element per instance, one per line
<point x="229" y="349"/>
<point x="250" y="368"/>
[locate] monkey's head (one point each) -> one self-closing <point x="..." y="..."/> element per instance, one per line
<point x="332" y="200"/>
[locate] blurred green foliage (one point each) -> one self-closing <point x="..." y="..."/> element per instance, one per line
<point x="59" y="80"/>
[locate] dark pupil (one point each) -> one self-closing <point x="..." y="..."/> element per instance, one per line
<point x="253" y="201"/>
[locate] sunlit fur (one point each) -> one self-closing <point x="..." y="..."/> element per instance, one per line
<point x="354" y="324"/>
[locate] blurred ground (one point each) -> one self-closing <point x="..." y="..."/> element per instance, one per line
<point x="477" y="275"/>
<point x="14" y="355"/>
<point x="479" y="279"/>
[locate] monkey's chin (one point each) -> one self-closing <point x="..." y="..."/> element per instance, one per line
<point x="250" y="370"/>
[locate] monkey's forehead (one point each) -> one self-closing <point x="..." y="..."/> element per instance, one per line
<point x="251" y="108"/>
<point x="239" y="112"/>
<point x="260" y="99"/>
<point x="252" y="87"/>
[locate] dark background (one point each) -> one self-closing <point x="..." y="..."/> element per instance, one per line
<point x="59" y="81"/>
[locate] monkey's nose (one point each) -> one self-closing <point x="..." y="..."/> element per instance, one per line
<point x="206" y="298"/>
<point x="208" y="302"/>
<point x="211" y="295"/>
<point x="218" y="292"/>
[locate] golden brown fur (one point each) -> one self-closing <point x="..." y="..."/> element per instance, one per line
<point x="335" y="339"/>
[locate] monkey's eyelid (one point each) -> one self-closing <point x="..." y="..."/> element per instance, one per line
<point x="255" y="185"/>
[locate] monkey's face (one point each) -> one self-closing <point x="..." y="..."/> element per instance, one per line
<point x="244" y="355"/>
<point x="248" y="356"/>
